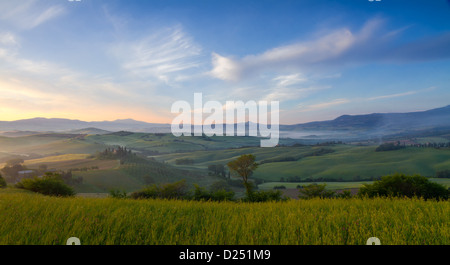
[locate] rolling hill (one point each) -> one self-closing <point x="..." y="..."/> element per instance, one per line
<point x="350" y="127"/>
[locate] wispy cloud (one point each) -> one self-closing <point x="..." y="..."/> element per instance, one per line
<point x="287" y="80"/>
<point x="7" y="39"/>
<point x="323" y="105"/>
<point x="292" y="93"/>
<point x="294" y="56"/>
<point x="338" y="48"/>
<point x="160" y="54"/>
<point x="396" y="95"/>
<point x="341" y="101"/>
<point x="29" y="14"/>
<point x="37" y="87"/>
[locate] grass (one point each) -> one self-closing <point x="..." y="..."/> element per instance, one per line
<point x="131" y="176"/>
<point x="57" y="158"/>
<point x="347" y="162"/>
<point x="338" y="185"/>
<point x="35" y="219"/>
<point x="329" y="185"/>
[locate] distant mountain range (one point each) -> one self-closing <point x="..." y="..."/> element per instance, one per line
<point x="345" y="127"/>
<point x="77" y="126"/>
<point x="380" y="124"/>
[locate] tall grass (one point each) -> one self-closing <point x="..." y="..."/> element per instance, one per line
<point x="27" y="218"/>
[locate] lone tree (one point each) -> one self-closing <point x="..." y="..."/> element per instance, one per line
<point x="244" y="166"/>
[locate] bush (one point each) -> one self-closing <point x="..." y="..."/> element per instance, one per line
<point x="265" y="196"/>
<point x="2" y="182"/>
<point x="281" y="187"/>
<point x="220" y="185"/>
<point x="201" y="194"/>
<point x="400" y="185"/>
<point x="222" y="195"/>
<point x="443" y="174"/>
<point x="118" y="194"/>
<point x="315" y="191"/>
<point x="47" y="185"/>
<point x="388" y="147"/>
<point x="176" y="190"/>
<point x="346" y="194"/>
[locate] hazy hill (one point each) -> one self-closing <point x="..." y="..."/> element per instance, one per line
<point x="434" y="121"/>
<point x="381" y="124"/>
<point x="63" y="125"/>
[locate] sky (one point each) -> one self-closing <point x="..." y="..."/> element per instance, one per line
<point x="96" y="60"/>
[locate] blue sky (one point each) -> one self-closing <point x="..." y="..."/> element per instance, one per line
<point x="106" y="60"/>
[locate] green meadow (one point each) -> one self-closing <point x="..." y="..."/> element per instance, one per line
<point x="34" y="219"/>
<point x="343" y="163"/>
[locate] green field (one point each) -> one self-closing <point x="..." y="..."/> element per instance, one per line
<point x="35" y="219"/>
<point x="336" y="185"/>
<point x="338" y="162"/>
<point x="347" y="162"/>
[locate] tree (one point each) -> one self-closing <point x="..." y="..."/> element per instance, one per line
<point x="315" y="190"/>
<point x="176" y="190"/>
<point x="220" y="185"/>
<point x="2" y="182"/>
<point x="50" y="184"/>
<point x="244" y="166"/>
<point x="399" y="185"/>
<point x="217" y="170"/>
<point x="12" y="171"/>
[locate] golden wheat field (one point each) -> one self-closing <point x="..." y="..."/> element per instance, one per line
<point x="28" y="218"/>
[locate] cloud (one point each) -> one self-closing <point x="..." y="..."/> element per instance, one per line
<point x="394" y="95"/>
<point x="31" y="87"/>
<point x="401" y="94"/>
<point x="288" y="80"/>
<point x="225" y="68"/>
<point x="324" y="105"/>
<point x="48" y="14"/>
<point x="337" y="48"/>
<point x="8" y="39"/>
<point x="341" y="101"/>
<point x="29" y="14"/>
<point x="294" y="56"/>
<point x="292" y="93"/>
<point x="162" y="54"/>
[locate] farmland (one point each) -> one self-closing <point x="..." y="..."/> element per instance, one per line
<point x="107" y="221"/>
<point x="159" y="154"/>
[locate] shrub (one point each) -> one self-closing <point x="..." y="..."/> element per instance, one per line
<point x="400" y="185"/>
<point x="346" y="194"/>
<point x="118" y="194"/>
<point x="176" y="190"/>
<point x="222" y="195"/>
<point x="220" y="185"/>
<point x="281" y="187"/>
<point x="201" y="194"/>
<point x="48" y="185"/>
<point x="443" y="174"/>
<point x="2" y="182"/>
<point x="265" y="196"/>
<point x="315" y="191"/>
